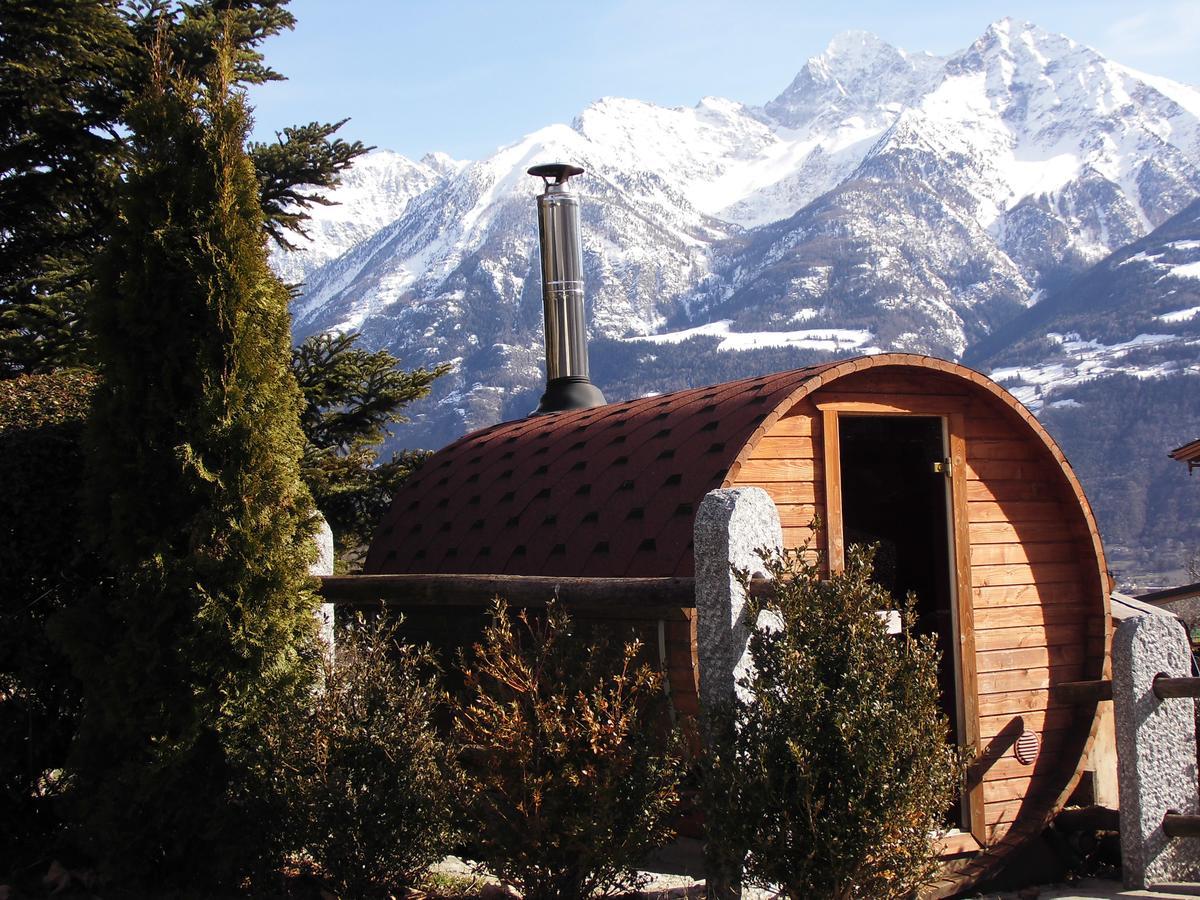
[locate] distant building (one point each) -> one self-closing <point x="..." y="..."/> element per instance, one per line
<point x="1188" y="453"/>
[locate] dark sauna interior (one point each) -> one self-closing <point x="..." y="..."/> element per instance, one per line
<point x="893" y="496"/>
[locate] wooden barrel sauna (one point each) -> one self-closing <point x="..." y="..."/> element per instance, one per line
<point x="970" y="500"/>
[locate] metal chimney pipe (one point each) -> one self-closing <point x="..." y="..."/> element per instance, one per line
<point x="567" y="383"/>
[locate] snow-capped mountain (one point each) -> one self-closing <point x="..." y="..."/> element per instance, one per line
<point x="373" y="193"/>
<point x="914" y="201"/>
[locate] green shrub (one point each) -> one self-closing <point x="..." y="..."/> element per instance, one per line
<point x="367" y="782"/>
<point x="840" y="772"/>
<point x="572" y="774"/>
<point x="44" y="567"/>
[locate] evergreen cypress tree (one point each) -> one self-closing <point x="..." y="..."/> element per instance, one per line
<point x="195" y="499"/>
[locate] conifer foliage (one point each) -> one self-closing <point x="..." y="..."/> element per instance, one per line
<point x="351" y="396"/>
<point x="68" y="71"/>
<point x="62" y="65"/>
<point x="196" y="501"/>
<point x="43" y="567"/>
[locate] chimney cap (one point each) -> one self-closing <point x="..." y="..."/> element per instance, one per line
<point x="560" y="172"/>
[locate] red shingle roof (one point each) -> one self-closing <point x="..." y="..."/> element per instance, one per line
<point x="609" y="491"/>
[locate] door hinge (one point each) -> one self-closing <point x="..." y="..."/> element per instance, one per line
<point x="942" y="467"/>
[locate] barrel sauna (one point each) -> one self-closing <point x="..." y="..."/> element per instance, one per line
<point x="970" y="500"/>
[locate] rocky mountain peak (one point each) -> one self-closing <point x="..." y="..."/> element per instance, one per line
<point x="857" y="72"/>
<point x="1011" y="50"/>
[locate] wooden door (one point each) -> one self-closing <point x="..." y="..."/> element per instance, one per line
<point x="907" y="470"/>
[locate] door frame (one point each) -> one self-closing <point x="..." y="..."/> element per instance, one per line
<point x="831" y="407"/>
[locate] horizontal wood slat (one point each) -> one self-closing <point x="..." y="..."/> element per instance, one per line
<point x="1066" y="633"/>
<point x="1015" y="575"/>
<point x="990" y="422"/>
<point x="1058" y="719"/>
<point x="788" y="492"/>
<point x="1001" y="554"/>
<point x="1002" y="813"/>
<point x="1014" y="788"/>
<point x="784" y="447"/>
<point x="798" y="535"/>
<point x="1030" y="657"/>
<point x="888" y="403"/>
<point x="1015" y="511"/>
<point x="993" y="470"/>
<point x="993" y="448"/>
<point x="798" y="515"/>
<point x="1015" y="703"/>
<point x="798" y="423"/>
<point x="1012" y="532"/>
<point x="955" y="844"/>
<point x="1044" y="593"/>
<point x="778" y="470"/>
<point x="999" y="491"/>
<point x="1031" y="678"/>
<point x="1008" y="766"/>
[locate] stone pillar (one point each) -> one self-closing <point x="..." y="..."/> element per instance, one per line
<point x="323" y="565"/>
<point x="732" y="526"/>
<point x="1156" y="751"/>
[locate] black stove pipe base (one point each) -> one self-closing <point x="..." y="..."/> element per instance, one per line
<point x="567" y="393"/>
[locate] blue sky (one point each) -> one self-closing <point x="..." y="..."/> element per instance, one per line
<point x="468" y="77"/>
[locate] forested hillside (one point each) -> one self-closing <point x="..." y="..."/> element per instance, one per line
<point x="1117" y="431"/>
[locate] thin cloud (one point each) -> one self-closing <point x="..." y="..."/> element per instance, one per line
<point x="1172" y="30"/>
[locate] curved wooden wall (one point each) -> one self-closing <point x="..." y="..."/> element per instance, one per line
<point x="1037" y="574"/>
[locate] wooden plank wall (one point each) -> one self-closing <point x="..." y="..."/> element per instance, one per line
<point x="786" y="463"/>
<point x="1038" y="613"/>
<point x="1036" y="597"/>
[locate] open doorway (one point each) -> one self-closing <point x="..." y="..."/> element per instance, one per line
<point x="895" y="493"/>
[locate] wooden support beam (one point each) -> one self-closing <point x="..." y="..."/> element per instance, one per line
<point x="1176" y="825"/>
<point x="1083" y="691"/>
<point x="1166" y="688"/>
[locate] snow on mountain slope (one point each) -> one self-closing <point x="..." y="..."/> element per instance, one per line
<point x="478" y="231"/>
<point x="752" y="166"/>
<point x="374" y="192"/>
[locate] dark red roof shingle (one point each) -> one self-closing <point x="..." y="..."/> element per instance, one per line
<point x="608" y="491"/>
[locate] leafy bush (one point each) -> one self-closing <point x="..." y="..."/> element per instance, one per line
<point x="43" y="568"/>
<point x="572" y="773"/>
<point x="367" y="782"/>
<point x="843" y="771"/>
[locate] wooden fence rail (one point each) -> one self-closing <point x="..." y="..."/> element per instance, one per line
<point x="671" y="599"/>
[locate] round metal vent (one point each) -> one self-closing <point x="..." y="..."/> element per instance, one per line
<point x="1027" y="748"/>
